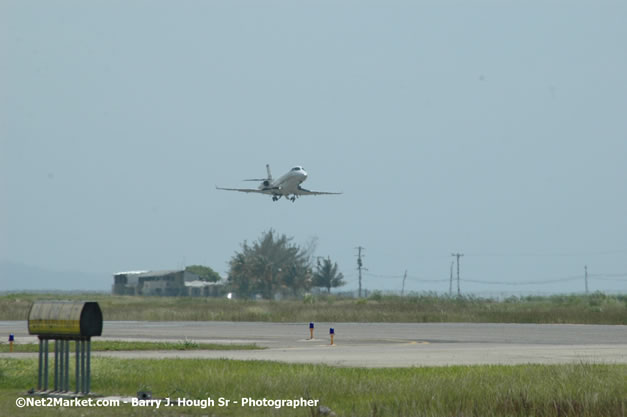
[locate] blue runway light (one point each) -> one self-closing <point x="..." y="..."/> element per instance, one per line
<point x="311" y="325"/>
<point x="331" y="330"/>
<point x="11" y="337"/>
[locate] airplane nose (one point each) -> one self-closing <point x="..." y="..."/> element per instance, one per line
<point x="304" y="173"/>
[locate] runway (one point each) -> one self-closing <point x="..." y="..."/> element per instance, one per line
<point x="373" y="344"/>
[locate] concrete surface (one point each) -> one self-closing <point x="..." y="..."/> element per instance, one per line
<point x="373" y="344"/>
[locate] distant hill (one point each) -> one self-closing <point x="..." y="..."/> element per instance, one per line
<point x="17" y="277"/>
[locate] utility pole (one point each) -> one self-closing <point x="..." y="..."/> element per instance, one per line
<point x="404" y="278"/>
<point x="585" y="268"/>
<point x="450" y="284"/>
<point x="458" y="255"/>
<point x="360" y="265"/>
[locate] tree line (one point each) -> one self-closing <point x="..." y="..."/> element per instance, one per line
<point x="274" y="265"/>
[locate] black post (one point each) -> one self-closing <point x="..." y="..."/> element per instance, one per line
<point x="83" y="373"/>
<point x="45" y="364"/>
<point x="88" y="377"/>
<point x="66" y="385"/>
<point x="56" y="365"/>
<point x="61" y="343"/>
<point x="78" y="380"/>
<point x="41" y="360"/>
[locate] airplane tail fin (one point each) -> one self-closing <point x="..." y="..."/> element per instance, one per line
<point x="269" y="173"/>
<point x="267" y="180"/>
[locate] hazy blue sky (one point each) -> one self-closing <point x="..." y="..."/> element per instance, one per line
<point x="493" y="128"/>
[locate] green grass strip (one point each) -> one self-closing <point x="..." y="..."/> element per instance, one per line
<point x="524" y="390"/>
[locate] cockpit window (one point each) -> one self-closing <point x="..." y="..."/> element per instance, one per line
<point x="297" y="168"/>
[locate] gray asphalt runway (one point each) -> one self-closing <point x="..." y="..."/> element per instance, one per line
<point x="375" y="344"/>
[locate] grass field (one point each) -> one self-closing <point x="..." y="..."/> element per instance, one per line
<point x="114" y="345"/>
<point x="595" y="308"/>
<point x="528" y="390"/>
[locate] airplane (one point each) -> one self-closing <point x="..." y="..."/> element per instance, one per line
<point x="286" y="185"/>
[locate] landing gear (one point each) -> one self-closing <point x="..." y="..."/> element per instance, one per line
<point x="277" y="197"/>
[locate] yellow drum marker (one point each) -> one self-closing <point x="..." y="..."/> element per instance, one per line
<point x="11" y="338"/>
<point x="332" y="333"/>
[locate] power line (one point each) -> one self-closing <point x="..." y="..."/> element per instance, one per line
<point x="370" y="274"/>
<point x="600" y="276"/>
<point x="476" y="281"/>
<point x="609" y="275"/>
<point x="611" y="279"/>
<point x="417" y="279"/>
<point x="409" y="277"/>
<point x="548" y="254"/>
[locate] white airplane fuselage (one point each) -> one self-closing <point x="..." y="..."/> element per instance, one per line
<point x="288" y="183"/>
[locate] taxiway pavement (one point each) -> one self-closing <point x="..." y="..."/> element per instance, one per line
<point x="373" y="344"/>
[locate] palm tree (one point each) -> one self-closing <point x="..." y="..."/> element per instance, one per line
<point x="326" y="275"/>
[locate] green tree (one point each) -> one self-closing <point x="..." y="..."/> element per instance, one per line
<point x="327" y="276"/>
<point x="271" y="265"/>
<point x="204" y="272"/>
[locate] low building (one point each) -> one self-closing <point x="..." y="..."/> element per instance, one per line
<point x="164" y="283"/>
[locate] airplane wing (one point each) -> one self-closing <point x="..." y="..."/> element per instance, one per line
<point x="303" y="191"/>
<point x="250" y="190"/>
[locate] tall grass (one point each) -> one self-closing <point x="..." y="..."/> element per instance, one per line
<point x="526" y="390"/>
<point x="596" y="308"/>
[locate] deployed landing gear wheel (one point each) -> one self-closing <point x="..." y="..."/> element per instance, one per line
<point x="275" y="198"/>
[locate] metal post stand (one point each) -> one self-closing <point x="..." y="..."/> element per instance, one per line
<point x="58" y="364"/>
<point x="62" y="322"/>
<point x="41" y="362"/>
<point x="77" y="367"/>
<point x="45" y="364"/>
<point x="83" y="373"/>
<point x="66" y="383"/>
<point x="88" y="376"/>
